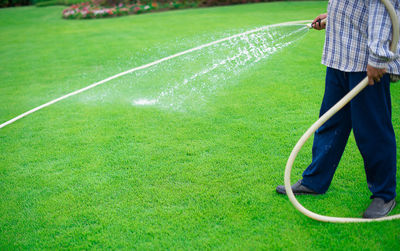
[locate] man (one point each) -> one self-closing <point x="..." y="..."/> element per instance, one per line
<point x="358" y="35"/>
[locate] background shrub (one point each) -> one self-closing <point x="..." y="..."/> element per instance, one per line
<point x="175" y="3"/>
<point x="44" y="3"/>
<point x="9" y="3"/>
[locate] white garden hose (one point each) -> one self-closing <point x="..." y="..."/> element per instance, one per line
<point x="346" y="99"/>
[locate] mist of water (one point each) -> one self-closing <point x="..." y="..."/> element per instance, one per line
<point x="189" y="81"/>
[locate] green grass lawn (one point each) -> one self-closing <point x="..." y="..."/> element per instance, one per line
<point x="94" y="171"/>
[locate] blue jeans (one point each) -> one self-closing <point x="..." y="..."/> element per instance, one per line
<point x="369" y="115"/>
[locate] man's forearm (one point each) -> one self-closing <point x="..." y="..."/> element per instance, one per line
<point x="379" y="35"/>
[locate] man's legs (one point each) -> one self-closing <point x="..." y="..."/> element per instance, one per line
<point x="374" y="134"/>
<point x="331" y="138"/>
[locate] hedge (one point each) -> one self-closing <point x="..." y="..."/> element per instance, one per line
<point x="11" y="3"/>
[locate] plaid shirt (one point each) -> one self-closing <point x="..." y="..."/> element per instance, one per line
<point x="358" y="33"/>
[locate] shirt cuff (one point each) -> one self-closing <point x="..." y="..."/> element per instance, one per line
<point x="378" y="62"/>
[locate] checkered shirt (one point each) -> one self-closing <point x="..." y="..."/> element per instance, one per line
<point x="358" y="33"/>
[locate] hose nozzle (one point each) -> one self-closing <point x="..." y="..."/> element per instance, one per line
<point x="319" y="21"/>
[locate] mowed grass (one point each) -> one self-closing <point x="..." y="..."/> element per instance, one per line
<point x="116" y="176"/>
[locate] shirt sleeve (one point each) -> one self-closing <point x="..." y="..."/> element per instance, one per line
<point x="380" y="34"/>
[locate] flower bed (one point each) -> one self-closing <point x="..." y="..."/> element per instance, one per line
<point x="89" y="10"/>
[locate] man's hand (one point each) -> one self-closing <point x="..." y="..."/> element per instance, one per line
<point x="318" y="24"/>
<point x="374" y="74"/>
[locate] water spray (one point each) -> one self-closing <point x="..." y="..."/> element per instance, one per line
<point x="143" y="101"/>
<point x="345" y="100"/>
<point x="223" y="62"/>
